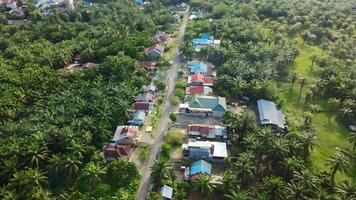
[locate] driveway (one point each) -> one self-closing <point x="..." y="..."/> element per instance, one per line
<point x="161" y="129"/>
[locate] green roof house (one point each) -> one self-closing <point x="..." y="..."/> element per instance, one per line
<point x="215" y="106"/>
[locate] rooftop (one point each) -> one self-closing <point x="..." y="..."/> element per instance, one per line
<point x="269" y="114"/>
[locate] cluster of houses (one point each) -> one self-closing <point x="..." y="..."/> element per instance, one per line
<point x="15" y="12"/>
<point x="200" y="99"/>
<point x="47" y="6"/>
<point x="127" y="136"/>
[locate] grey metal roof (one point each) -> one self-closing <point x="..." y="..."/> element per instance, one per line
<point x="269" y="114"/>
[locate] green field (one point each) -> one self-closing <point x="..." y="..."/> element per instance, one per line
<point x="331" y="133"/>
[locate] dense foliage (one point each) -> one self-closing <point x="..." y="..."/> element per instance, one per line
<point x="53" y="123"/>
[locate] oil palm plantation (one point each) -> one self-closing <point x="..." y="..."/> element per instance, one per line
<point x="352" y="139"/>
<point x="203" y="185"/>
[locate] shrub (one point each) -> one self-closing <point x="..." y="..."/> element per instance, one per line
<point x="181" y="85"/>
<point x="165" y="151"/>
<point x="160" y="85"/>
<point x="174" y="100"/>
<point x="179" y="93"/>
<point x="173" y="117"/>
<point x="174" y="137"/>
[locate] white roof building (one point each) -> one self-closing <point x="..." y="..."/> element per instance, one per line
<point x="167" y="192"/>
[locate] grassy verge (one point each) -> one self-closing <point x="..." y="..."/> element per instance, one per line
<point x="331" y="133"/>
<point x="144" y="153"/>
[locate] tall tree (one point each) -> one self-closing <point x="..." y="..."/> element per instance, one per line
<point x="92" y="175"/>
<point x="333" y="102"/>
<point x="203" y="185"/>
<point x="337" y="162"/>
<point x="273" y="186"/>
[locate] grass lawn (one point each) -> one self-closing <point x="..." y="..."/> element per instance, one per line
<point x="331" y="133"/>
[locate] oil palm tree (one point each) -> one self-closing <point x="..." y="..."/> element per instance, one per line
<point x="8" y="168"/>
<point x="346" y="190"/>
<point x="92" y="174"/>
<point x="273" y="186"/>
<point x="337" y="162"/>
<point x="37" y="153"/>
<point x="333" y="102"/>
<point x="245" y="166"/>
<point x="228" y="182"/>
<point x="161" y="170"/>
<point x="237" y="195"/>
<point x="352" y="139"/>
<point x="295" y="191"/>
<point x="309" y="141"/>
<point x="203" y="185"/>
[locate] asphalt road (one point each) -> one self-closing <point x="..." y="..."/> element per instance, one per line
<point x="161" y="129"/>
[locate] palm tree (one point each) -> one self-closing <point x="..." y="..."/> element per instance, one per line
<point x="37" y="153"/>
<point x="337" y="162"/>
<point x="248" y="120"/>
<point x="346" y="190"/>
<point x="71" y="167"/>
<point x="92" y="174"/>
<point x="352" y="139"/>
<point x="310" y="140"/>
<point x="8" y="168"/>
<point x="302" y="82"/>
<point x="56" y="163"/>
<point x="333" y="102"/>
<point x="292" y="164"/>
<point x="238" y="195"/>
<point x="245" y="167"/>
<point x="228" y="182"/>
<point x="345" y="112"/>
<point x="307" y="117"/>
<point x="314" y="108"/>
<point x="203" y="185"/>
<point x="308" y="180"/>
<point x="161" y="170"/>
<point x="294" y="78"/>
<point x="295" y="191"/>
<point x="273" y="186"/>
<point x="313" y="58"/>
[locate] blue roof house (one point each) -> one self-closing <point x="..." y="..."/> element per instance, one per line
<point x="138" y="119"/>
<point x="200" y="167"/>
<point x="205" y="36"/>
<point x="138" y="2"/>
<point x="202" y="41"/>
<point x="199" y="67"/>
<point x="270" y="115"/>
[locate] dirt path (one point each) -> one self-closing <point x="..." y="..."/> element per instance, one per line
<point x="145" y="170"/>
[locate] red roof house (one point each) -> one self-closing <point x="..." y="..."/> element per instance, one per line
<point x="200" y="89"/>
<point x="199" y="79"/>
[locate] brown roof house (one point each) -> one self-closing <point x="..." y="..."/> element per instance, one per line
<point x="113" y="151"/>
<point x="154" y="51"/>
<point x="143" y="106"/>
<point x="207" y="131"/>
<point x="126" y="135"/>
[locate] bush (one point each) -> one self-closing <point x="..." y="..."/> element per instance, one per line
<point x="179" y="93"/>
<point x="181" y="85"/>
<point x="165" y="151"/>
<point x="174" y="137"/>
<point x="160" y="85"/>
<point x="144" y="153"/>
<point x="173" y="117"/>
<point x="174" y="100"/>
